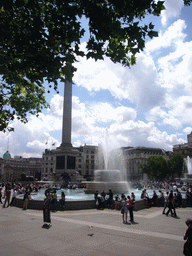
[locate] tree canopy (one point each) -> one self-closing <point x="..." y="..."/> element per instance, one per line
<point x="156" y="167"/>
<point x="38" y="38"/>
<point x="176" y="165"/>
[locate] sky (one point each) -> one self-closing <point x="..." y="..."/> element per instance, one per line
<point x="149" y="104"/>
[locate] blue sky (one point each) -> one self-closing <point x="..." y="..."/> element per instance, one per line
<point x="147" y="105"/>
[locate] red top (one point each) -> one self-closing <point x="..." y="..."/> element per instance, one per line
<point x="130" y="202"/>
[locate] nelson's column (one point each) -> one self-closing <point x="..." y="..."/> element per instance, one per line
<point x="66" y="154"/>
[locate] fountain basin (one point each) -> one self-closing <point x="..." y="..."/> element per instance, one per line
<point x="69" y="205"/>
<point x="78" y="202"/>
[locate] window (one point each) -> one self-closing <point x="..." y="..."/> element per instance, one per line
<point x="60" y="162"/>
<point x="71" y="162"/>
<point x="92" y="157"/>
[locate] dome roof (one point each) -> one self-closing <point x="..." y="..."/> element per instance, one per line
<point x="7" y="154"/>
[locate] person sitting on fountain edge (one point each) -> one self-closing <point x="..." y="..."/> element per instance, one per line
<point x="110" y="199"/>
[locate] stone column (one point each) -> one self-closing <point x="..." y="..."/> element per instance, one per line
<point x="67" y="113"/>
<point x="67" y="107"/>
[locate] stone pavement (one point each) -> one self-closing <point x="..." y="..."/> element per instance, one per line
<point x="91" y="233"/>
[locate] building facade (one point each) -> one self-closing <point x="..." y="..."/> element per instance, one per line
<point x="88" y="159"/>
<point x="11" y="169"/>
<point x="136" y="156"/>
<point x="184" y="149"/>
<point x="86" y="162"/>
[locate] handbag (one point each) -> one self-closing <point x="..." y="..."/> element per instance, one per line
<point x="122" y="210"/>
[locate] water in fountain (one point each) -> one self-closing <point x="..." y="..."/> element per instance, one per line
<point x="112" y="172"/>
<point x="189" y="165"/>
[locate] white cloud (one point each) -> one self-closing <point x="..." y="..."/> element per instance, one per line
<point x="176" y="68"/>
<point x="94" y="76"/>
<point x="178" y="114"/>
<point x="187" y="130"/>
<point x="173" y="8"/>
<point x="137" y="84"/>
<point x="171" y="37"/>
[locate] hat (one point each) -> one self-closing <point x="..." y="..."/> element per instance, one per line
<point x="188" y="222"/>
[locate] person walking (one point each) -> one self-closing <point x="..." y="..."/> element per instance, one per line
<point x="166" y="202"/>
<point x="124" y="210"/>
<point x="171" y="205"/>
<point x="187" y="248"/>
<point x="7" y="196"/>
<point x="13" y="197"/>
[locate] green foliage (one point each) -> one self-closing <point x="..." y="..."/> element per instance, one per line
<point x="155" y="167"/>
<point x="38" y="37"/>
<point x="187" y="2"/>
<point x="176" y="164"/>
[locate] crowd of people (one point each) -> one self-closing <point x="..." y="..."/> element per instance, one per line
<point x="166" y="195"/>
<point x="9" y="191"/>
<point x="122" y="202"/>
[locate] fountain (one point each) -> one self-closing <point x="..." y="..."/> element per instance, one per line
<point x="189" y="165"/>
<point x="105" y="180"/>
<point x="109" y="177"/>
<point x="189" y="169"/>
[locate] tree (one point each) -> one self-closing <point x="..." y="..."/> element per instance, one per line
<point x="176" y="164"/>
<point x="38" y="38"/>
<point x="155" y="167"/>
